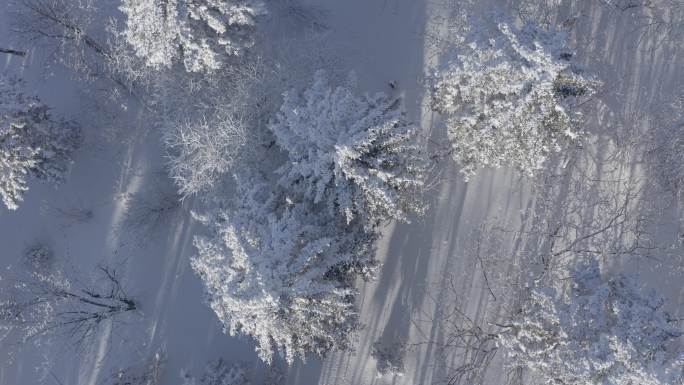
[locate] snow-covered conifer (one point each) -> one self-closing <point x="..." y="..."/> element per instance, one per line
<point x="198" y="33"/>
<point x="280" y="272"/>
<point x="32" y="143"/>
<point x="509" y="98"/>
<point x="357" y="156"/>
<point x="598" y="331"/>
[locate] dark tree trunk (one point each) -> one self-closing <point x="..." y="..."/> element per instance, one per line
<point x="12" y="52"/>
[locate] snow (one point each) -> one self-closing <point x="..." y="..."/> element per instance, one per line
<point x="384" y="41"/>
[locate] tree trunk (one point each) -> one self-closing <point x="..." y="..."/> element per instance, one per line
<point x="12" y="52"/>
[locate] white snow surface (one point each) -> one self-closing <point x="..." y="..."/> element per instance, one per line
<point x="385" y="41"/>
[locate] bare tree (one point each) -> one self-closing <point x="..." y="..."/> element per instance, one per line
<point x="149" y="210"/>
<point x="69" y="23"/>
<point x="467" y="344"/>
<point x="45" y="304"/>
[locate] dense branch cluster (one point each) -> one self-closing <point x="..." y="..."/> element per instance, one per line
<point x="204" y="151"/>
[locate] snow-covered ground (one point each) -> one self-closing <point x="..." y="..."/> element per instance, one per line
<point x="384" y="41"/>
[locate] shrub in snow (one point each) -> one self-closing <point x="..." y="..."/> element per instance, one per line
<point x="38" y="257"/>
<point x="509" y="99"/>
<point x="601" y="331"/>
<point x="218" y="373"/>
<point x="356" y="156"/>
<point x="31" y="143"/>
<point x="389" y="358"/>
<point x="200" y="33"/>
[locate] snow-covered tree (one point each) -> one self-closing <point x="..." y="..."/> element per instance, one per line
<point x="218" y="373"/>
<point x="199" y="33"/>
<point x="280" y="272"/>
<point x="510" y="98"/>
<point x="356" y="156"/>
<point x="32" y="143"/>
<point x="599" y="331"/>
